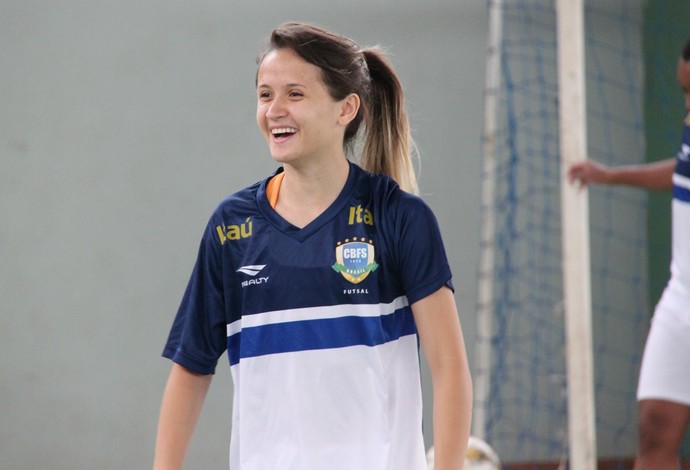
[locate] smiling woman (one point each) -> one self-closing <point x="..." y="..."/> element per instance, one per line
<point x="321" y="281"/>
<point x="303" y="125"/>
<point x="347" y="69"/>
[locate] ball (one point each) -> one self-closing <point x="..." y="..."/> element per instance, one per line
<point x="479" y="456"/>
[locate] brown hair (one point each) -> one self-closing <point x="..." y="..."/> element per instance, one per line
<point x="346" y="68"/>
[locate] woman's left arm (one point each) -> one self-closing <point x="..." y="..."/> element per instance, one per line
<point x="443" y="344"/>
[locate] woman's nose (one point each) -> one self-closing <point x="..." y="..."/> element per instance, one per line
<point x="277" y="108"/>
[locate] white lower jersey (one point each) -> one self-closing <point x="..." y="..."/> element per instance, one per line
<point x="344" y="417"/>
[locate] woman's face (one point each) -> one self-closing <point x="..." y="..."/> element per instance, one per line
<point x="297" y="116"/>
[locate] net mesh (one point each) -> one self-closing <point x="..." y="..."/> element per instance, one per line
<point x="526" y="406"/>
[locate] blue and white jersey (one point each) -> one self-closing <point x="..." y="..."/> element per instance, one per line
<point x="317" y="325"/>
<point x="676" y="296"/>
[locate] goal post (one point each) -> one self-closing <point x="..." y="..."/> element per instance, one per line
<point x="575" y="233"/>
<point x="487" y="250"/>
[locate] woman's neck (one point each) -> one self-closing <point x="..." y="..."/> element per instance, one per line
<point x="305" y="193"/>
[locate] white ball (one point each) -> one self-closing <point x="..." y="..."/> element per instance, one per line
<point x="479" y="456"/>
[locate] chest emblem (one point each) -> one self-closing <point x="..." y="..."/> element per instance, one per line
<point x="355" y="259"/>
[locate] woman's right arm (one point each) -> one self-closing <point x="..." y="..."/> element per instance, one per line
<point x="183" y="399"/>
<point x="654" y="175"/>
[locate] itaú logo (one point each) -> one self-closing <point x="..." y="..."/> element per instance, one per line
<point x="253" y="271"/>
<point x="234" y="232"/>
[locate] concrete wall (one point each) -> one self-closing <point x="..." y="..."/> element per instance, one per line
<point x="122" y="124"/>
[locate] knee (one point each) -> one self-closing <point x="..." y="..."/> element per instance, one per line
<point x="656" y="431"/>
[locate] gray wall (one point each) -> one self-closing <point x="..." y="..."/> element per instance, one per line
<point x="122" y="124"/>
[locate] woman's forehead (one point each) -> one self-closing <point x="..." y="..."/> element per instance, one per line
<point x="283" y="66"/>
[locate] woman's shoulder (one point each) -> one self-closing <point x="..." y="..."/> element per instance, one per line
<point x="388" y="193"/>
<point x="243" y="200"/>
<point x="377" y="183"/>
<point x="248" y="192"/>
<point x="391" y="205"/>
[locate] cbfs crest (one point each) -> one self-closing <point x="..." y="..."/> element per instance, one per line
<point x="355" y="259"/>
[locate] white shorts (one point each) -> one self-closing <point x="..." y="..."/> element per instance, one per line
<point x="665" y="370"/>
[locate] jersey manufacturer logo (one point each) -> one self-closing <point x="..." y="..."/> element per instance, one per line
<point x="355" y="259"/>
<point x="684" y="153"/>
<point x="253" y="270"/>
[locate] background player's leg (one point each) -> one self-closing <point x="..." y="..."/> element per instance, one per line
<point x="662" y="425"/>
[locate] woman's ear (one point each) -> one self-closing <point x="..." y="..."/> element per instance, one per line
<point x="349" y="108"/>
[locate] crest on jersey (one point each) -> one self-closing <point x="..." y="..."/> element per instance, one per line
<point x="355" y="259"/>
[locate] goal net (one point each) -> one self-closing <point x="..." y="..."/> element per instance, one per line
<point x="521" y="393"/>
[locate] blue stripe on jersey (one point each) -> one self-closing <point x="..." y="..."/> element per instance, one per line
<point x="682" y="166"/>
<point x="681" y="186"/>
<point x="681" y="194"/>
<point x="306" y="335"/>
<point x="234" y="348"/>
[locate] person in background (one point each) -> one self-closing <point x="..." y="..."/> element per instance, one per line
<point x="320" y="280"/>
<point x="664" y="384"/>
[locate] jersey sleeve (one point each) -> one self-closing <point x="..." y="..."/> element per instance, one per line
<point x="421" y="254"/>
<point x="198" y="336"/>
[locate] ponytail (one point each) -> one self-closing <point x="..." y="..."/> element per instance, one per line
<point x="387" y="141"/>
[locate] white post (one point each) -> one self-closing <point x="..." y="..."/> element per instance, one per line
<point x="575" y="225"/>
<point x="486" y="263"/>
